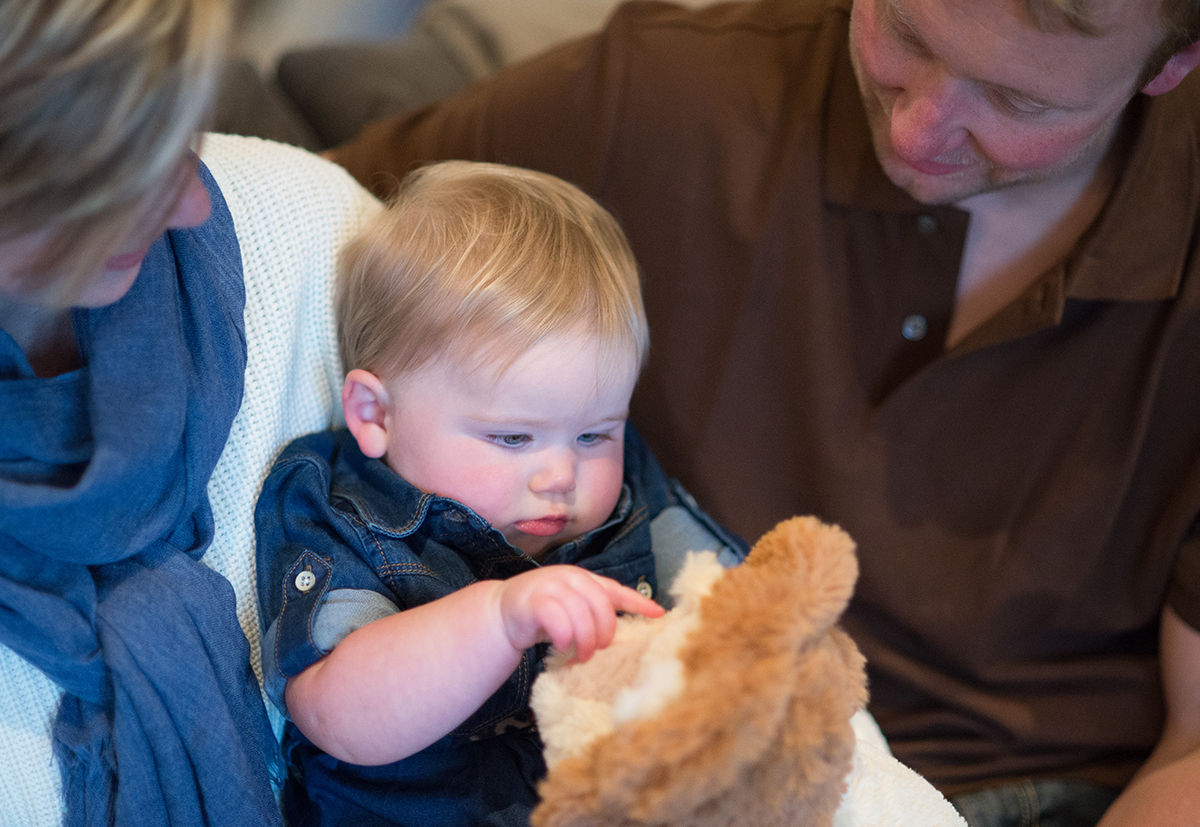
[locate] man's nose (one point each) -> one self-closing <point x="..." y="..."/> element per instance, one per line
<point x="928" y="119"/>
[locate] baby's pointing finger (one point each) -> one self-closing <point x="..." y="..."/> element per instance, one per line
<point x="625" y="599"/>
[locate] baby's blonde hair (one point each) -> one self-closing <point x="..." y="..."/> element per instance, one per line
<point x="476" y="263"/>
<point x="99" y="103"/>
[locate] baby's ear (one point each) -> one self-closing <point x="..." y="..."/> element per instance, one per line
<point x="365" y="403"/>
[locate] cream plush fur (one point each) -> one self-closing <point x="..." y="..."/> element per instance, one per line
<point x="742" y="706"/>
<point x="734" y="708"/>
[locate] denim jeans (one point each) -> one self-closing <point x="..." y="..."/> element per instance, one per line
<point x="1046" y="803"/>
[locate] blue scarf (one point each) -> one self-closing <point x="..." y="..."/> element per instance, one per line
<point x="103" y="519"/>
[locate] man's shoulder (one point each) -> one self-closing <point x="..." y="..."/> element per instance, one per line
<point x="736" y="21"/>
<point x="719" y="18"/>
<point x="671" y="62"/>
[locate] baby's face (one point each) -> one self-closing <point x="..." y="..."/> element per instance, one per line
<point x="537" y="451"/>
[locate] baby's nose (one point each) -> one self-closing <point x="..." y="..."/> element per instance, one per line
<point x="555" y="474"/>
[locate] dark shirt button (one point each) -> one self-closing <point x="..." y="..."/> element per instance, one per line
<point x="914" y="327"/>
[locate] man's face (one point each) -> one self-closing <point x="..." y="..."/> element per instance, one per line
<point x="969" y="96"/>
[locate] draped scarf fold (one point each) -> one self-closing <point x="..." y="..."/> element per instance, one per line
<point x="103" y="518"/>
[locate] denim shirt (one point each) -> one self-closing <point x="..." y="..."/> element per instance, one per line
<point x="343" y="540"/>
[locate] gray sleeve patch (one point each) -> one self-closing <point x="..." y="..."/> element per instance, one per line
<point x="675" y="532"/>
<point x="345" y="610"/>
<point x="342" y="611"/>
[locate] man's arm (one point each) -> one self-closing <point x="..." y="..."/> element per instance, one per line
<point x="1166" y="791"/>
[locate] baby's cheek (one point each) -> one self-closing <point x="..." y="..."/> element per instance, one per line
<point x="485" y="489"/>
<point x="605" y="488"/>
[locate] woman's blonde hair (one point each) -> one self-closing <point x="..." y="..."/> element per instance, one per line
<point x="477" y="263"/>
<point x="99" y="103"/>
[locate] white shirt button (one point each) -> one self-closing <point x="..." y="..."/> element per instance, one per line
<point x="644" y="589"/>
<point x="305" y="580"/>
<point x="914" y="327"/>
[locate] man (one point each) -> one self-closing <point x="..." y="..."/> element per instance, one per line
<point x="927" y="269"/>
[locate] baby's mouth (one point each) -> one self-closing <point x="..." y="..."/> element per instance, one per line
<point x="543" y="526"/>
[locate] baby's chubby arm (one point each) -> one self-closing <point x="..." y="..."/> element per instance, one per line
<point x="394" y="686"/>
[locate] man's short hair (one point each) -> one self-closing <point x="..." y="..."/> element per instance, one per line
<point x="99" y="103"/>
<point x="478" y="262"/>
<point x="1180" y="19"/>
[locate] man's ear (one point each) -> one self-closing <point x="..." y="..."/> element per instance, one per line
<point x="365" y="403"/>
<point x="1182" y="62"/>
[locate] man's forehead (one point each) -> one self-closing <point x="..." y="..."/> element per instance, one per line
<point x="1093" y="18"/>
<point x="1006" y="37"/>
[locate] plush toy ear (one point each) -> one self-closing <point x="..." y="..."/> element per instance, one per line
<point x="761" y="732"/>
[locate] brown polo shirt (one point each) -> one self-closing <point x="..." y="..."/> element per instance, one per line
<point x="1024" y="503"/>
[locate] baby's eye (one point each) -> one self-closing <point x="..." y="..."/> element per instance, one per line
<point x="592" y="439"/>
<point x="510" y="440"/>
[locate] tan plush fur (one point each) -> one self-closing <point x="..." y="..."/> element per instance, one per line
<point x="734" y="709"/>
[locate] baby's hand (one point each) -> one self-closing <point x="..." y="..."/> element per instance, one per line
<point x="567" y="605"/>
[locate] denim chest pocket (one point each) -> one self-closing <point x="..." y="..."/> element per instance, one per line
<point x="438" y="562"/>
<point x="637" y="572"/>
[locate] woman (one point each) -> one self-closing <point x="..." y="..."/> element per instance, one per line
<point x="121" y="360"/>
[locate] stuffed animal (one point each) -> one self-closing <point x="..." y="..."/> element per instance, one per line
<point x="733" y="709"/>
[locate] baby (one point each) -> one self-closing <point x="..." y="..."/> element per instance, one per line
<point x="485" y="498"/>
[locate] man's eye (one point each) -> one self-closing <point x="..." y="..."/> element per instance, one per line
<point x="897" y="22"/>
<point x="510" y="440"/>
<point x="1018" y="106"/>
<point x="909" y="38"/>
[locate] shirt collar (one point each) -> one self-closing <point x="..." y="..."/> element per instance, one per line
<point x="1137" y="249"/>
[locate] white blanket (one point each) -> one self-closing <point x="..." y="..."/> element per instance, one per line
<point x="885" y="793"/>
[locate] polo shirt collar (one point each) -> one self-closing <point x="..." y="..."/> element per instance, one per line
<point x="1133" y="252"/>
